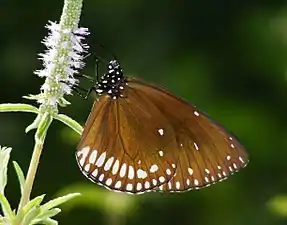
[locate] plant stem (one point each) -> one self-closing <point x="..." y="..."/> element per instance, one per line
<point x="39" y="142"/>
<point x="31" y="174"/>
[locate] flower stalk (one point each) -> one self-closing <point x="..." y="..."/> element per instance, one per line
<point x="39" y="142"/>
<point x="61" y="61"/>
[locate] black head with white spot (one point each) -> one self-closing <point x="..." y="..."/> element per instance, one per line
<point x="112" y="82"/>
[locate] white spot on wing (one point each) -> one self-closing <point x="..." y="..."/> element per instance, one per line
<point x="95" y="173"/>
<point x="160" y="153"/>
<point x="190" y="171"/>
<point x="196" y="146"/>
<point x="141" y="174"/>
<point x="196" y="113"/>
<point x="84" y="152"/>
<point x="177" y="185"/>
<point x="153" y="168"/>
<point x="116" y="167"/>
<point x="93" y="157"/>
<point x="123" y="170"/>
<point x="118" y="184"/>
<point x="168" y="171"/>
<point x="147" y="185"/>
<point x="131" y="172"/>
<point x="129" y="187"/>
<point x="87" y="167"/>
<point x="109" y="163"/>
<point x="109" y="181"/>
<point x="160" y="131"/>
<point x="196" y="182"/>
<point x="139" y="186"/>
<point x="101" y="160"/>
<point x="154" y="181"/>
<point x="101" y="177"/>
<point x="161" y="179"/>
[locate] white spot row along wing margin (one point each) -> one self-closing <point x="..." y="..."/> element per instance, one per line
<point x="87" y="158"/>
<point x="122" y="170"/>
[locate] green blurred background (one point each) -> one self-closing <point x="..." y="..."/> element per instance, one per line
<point x="227" y="57"/>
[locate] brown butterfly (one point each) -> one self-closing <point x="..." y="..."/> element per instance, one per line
<point x="140" y="138"/>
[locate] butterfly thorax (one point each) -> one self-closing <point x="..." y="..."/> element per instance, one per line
<point x="113" y="82"/>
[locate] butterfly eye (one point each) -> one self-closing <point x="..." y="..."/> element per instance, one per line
<point x="139" y="137"/>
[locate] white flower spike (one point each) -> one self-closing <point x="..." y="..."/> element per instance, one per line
<point x="62" y="60"/>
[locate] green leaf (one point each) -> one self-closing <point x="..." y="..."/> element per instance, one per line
<point x="20" y="175"/>
<point x="35" y="97"/>
<point x="4" y="159"/>
<point x="29" y="216"/>
<point x="11" y="107"/>
<point x="44" y="124"/>
<point x="70" y="122"/>
<point x="28" y="207"/>
<point x="6" y="208"/>
<point x="4" y="221"/>
<point x="50" y="222"/>
<point x="278" y="205"/>
<point x="46" y="215"/>
<point x="35" y="123"/>
<point x="33" y="203"/>
<point x="57" y="201"/>
<point x="63" y="102"/>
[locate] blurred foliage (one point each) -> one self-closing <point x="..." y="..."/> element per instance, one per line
<point x="227" y="57"/>
<point x="278" y="205"/>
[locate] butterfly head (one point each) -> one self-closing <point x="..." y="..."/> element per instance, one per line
<point x="114" y="65"/>
<point x="112" y="82"/>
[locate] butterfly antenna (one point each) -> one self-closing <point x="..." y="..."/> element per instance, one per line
<point x="109" y="51"/>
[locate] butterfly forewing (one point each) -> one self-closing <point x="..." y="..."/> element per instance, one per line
<point x="124" y="149"/>
<point x="206" y="152"/>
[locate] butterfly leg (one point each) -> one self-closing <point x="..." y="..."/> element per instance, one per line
<point x="92" y="80"/>
<point x="79" y="91"/>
